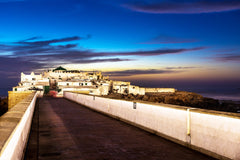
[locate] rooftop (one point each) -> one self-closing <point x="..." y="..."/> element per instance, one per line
<point x="60" y="68"/>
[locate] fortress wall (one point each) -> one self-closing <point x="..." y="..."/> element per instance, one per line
<point x="16" y="97"/>
<point x="211" y="132"/>
<point x="14" y="128"/>
<point x="160" y="90"/>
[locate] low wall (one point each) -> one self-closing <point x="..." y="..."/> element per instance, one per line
<point x="214" y="133"/>
<point x="160" y="90"/>
<point x="14" y="128"/>
<point x="15" y="97"/>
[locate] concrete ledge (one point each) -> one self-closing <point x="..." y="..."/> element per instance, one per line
<point x="211" y="132"/>
<point x="14" y="128"/>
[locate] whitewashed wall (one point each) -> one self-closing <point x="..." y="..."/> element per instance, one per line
<point x="214" y="133"/>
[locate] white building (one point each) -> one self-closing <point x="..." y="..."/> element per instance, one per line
<point x="126" y="88"/>
<point x="31" y="82"/>
<point x="61" y="79"/>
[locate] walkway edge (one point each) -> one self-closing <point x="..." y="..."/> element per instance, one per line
<point x="16" y="136"/>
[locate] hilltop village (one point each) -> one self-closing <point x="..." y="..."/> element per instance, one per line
<point x="54" y="82"/>
<point x="94" y="83"/>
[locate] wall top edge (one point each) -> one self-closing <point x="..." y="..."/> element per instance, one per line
<point x="196" y="110"/>
<point x="9" y="121"/>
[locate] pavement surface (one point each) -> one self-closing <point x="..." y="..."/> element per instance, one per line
<point x="62" y="129"/>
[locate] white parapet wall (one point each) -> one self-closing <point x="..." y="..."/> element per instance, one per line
<point x="214" y="133"/>
<point x="15" y="127"/>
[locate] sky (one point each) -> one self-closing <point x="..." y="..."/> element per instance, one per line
<point x="152" y="43"/>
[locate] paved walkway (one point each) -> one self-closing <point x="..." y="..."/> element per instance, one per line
<point x="65" y="130"/>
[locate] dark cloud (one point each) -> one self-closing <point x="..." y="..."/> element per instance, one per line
<point x="31" y="54"/>
<point x="17" y="64"/>
<point x="43" y="50"/>
<point x="34" y="46"/>
<point x="139" y="72"/>
<point x="164" y="39"/>
<point x="48" y="42"/>
<point x="32" y="38"/>
<point x="227" y="57"/>
<point x="67" y="46"/>
<point x="32" y="49"/>
<point x="11" y="67"/>
<point x="100" y="60"/>
<point x="155" y="52"/>
<point x="184" y="7"/>
<point x="176" y="68"/>
<point x="72" y="56"/>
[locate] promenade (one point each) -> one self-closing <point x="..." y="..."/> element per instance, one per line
<point x="63" y="129"/>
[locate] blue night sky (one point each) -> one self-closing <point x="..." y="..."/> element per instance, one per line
<point x="155" y="43"/>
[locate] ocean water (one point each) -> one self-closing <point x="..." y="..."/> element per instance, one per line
<point x="4" y="92"/>
<point x="220" y="93"/>
<point x="216" y="90"/>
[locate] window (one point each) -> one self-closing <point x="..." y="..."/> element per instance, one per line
<point x="67" y="84"/>
<point x="33" y="79"/>
<point x="86" y="84"/>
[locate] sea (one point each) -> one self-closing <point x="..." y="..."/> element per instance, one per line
<point x="4" y="92"/>
<point x="220" y="93"/>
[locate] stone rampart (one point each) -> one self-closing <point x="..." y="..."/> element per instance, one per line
<point x="16" y="97"/>
<point x="211" y="132"/>
<point x="14" y="128"/>
<point x="160" y="90"/>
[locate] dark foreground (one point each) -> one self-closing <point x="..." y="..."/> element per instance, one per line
<point x="62" y="129"/>
<point x="3" y="105"/>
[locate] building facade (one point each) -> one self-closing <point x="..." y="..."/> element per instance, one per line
<point x="61" y="79"/>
